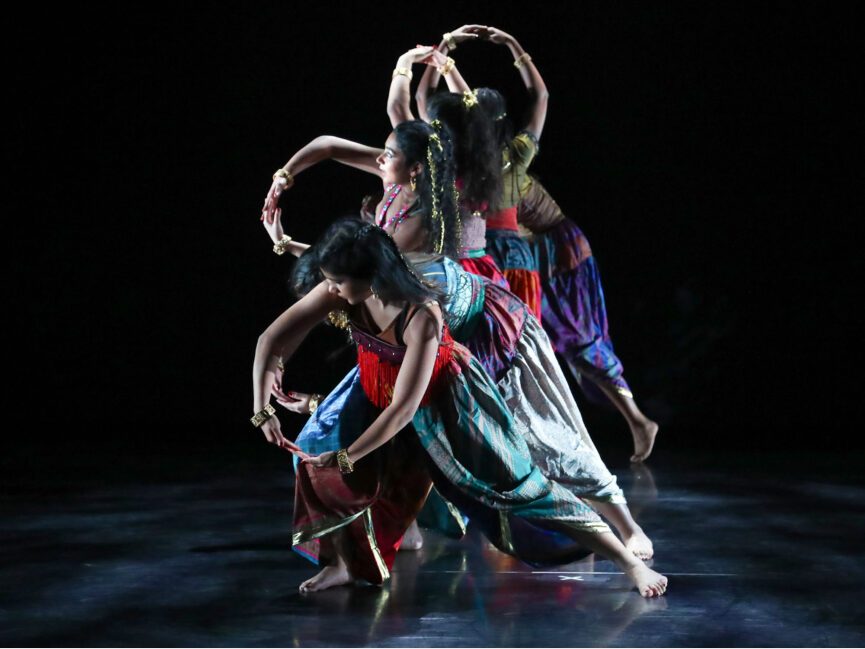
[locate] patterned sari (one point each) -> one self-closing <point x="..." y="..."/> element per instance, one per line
<point x="575" y="314"/>
<point x="463" y="439"/>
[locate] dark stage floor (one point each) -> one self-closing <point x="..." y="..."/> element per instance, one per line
<point x="755" y="558"/>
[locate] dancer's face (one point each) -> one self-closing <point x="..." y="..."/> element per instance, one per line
<point x="393" y="164"/>
<point x="353" y="291"/>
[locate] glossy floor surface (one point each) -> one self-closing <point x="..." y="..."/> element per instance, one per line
<point x="754" y="559"/>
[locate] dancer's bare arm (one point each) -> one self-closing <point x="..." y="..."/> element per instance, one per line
<point x="281" y="339"/>
<point x="276" y="232"/>
<point x="324" y="147"/>
<point x="399" y="95"/>
<point x="431" y="76"/>
<point x="531" y="78"/>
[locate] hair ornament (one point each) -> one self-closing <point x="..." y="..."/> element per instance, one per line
<point x="470" y="98"/>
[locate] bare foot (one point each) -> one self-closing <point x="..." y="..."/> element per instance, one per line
<point x="648" y="582"/>
<point x="412" y="540"/>
<point x="329" y="577"/>
<point x="644" y="439"/>
<point x="640" y="545"/>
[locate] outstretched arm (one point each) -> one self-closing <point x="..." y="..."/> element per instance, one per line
<point x="530" y="76"/>
<point x="281" y="339"/>
<point x="422" y="342"/>
<point x="324" y="147"/>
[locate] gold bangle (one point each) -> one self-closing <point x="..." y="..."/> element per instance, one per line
<point x="280" y="246"/>
<point x="521" y="60"/>
<point x="405" y="72"/>
<point x="448" y="38"/>
<point x="262" y="415"/>
<point x="284" y="173"/>
<point x="445" y="70"/>
<point x="280" y="364"/>
<point x="342" y="459"/>
<point x="314" y="400"/>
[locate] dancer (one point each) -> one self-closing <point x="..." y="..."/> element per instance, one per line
<point x="495" y="326"/>
<point x="455" y="429"/>
<point x="479" y="176"/>
<point x="572" y="302"/>
<point x="503" y="241"/>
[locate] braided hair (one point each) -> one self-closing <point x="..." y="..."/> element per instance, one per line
<point x="431" y="146"/>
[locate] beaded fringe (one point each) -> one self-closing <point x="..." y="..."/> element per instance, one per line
<point x="378" y="376"/>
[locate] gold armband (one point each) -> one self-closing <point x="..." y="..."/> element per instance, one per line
<point x="449" y="41"/>
<point x="342" y="459"/>
<point x="445" y="70"/>
<point x="521" y="60"/>
<point x="282" y="245"/>
<point x="405" y="72"/>
<point x="262" y="415"/>
<point x="284" y="173"/>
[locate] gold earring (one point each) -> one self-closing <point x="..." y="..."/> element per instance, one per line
<point x="413" y="183"/>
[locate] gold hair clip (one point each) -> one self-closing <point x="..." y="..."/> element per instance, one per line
<point x="470" y="98"/>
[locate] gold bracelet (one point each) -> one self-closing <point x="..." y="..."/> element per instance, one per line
<point x="445" y="70"/>
<point x="342" y="459"/>
<point x="262" y="415"/>
<point x="448" y="38"/>
<point x="521" y="60"/>
<point x="280" y="364"/>
<point x="406" y="72"/>
<point x="284" y="173"/>
<point x="314" y="400"/>
<point x="280" y="246"/>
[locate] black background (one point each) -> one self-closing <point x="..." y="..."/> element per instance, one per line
<point x="701" y="147"/>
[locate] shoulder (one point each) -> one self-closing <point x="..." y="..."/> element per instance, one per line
<point x="320" y="301"/>
<point x="524" y="147"/>
<point x="425" y="322"/>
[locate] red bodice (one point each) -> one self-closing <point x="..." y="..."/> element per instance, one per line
<point x="380" y="361"/>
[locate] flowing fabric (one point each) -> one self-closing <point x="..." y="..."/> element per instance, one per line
<point x="513" y="255"/>
<point x="515" y="351"/>
<point x="485" y="266"/>
<point x="471" y="450"/>
<point x="574" y="311"/>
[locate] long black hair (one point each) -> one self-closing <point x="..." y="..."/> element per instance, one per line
<point x="477" y="153"/>
<point x="353" y="248"/>
<point x="432" y="147"/>
<point x="494" y="105"/>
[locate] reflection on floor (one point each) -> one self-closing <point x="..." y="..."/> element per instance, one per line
<point x="752" y="561"/>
